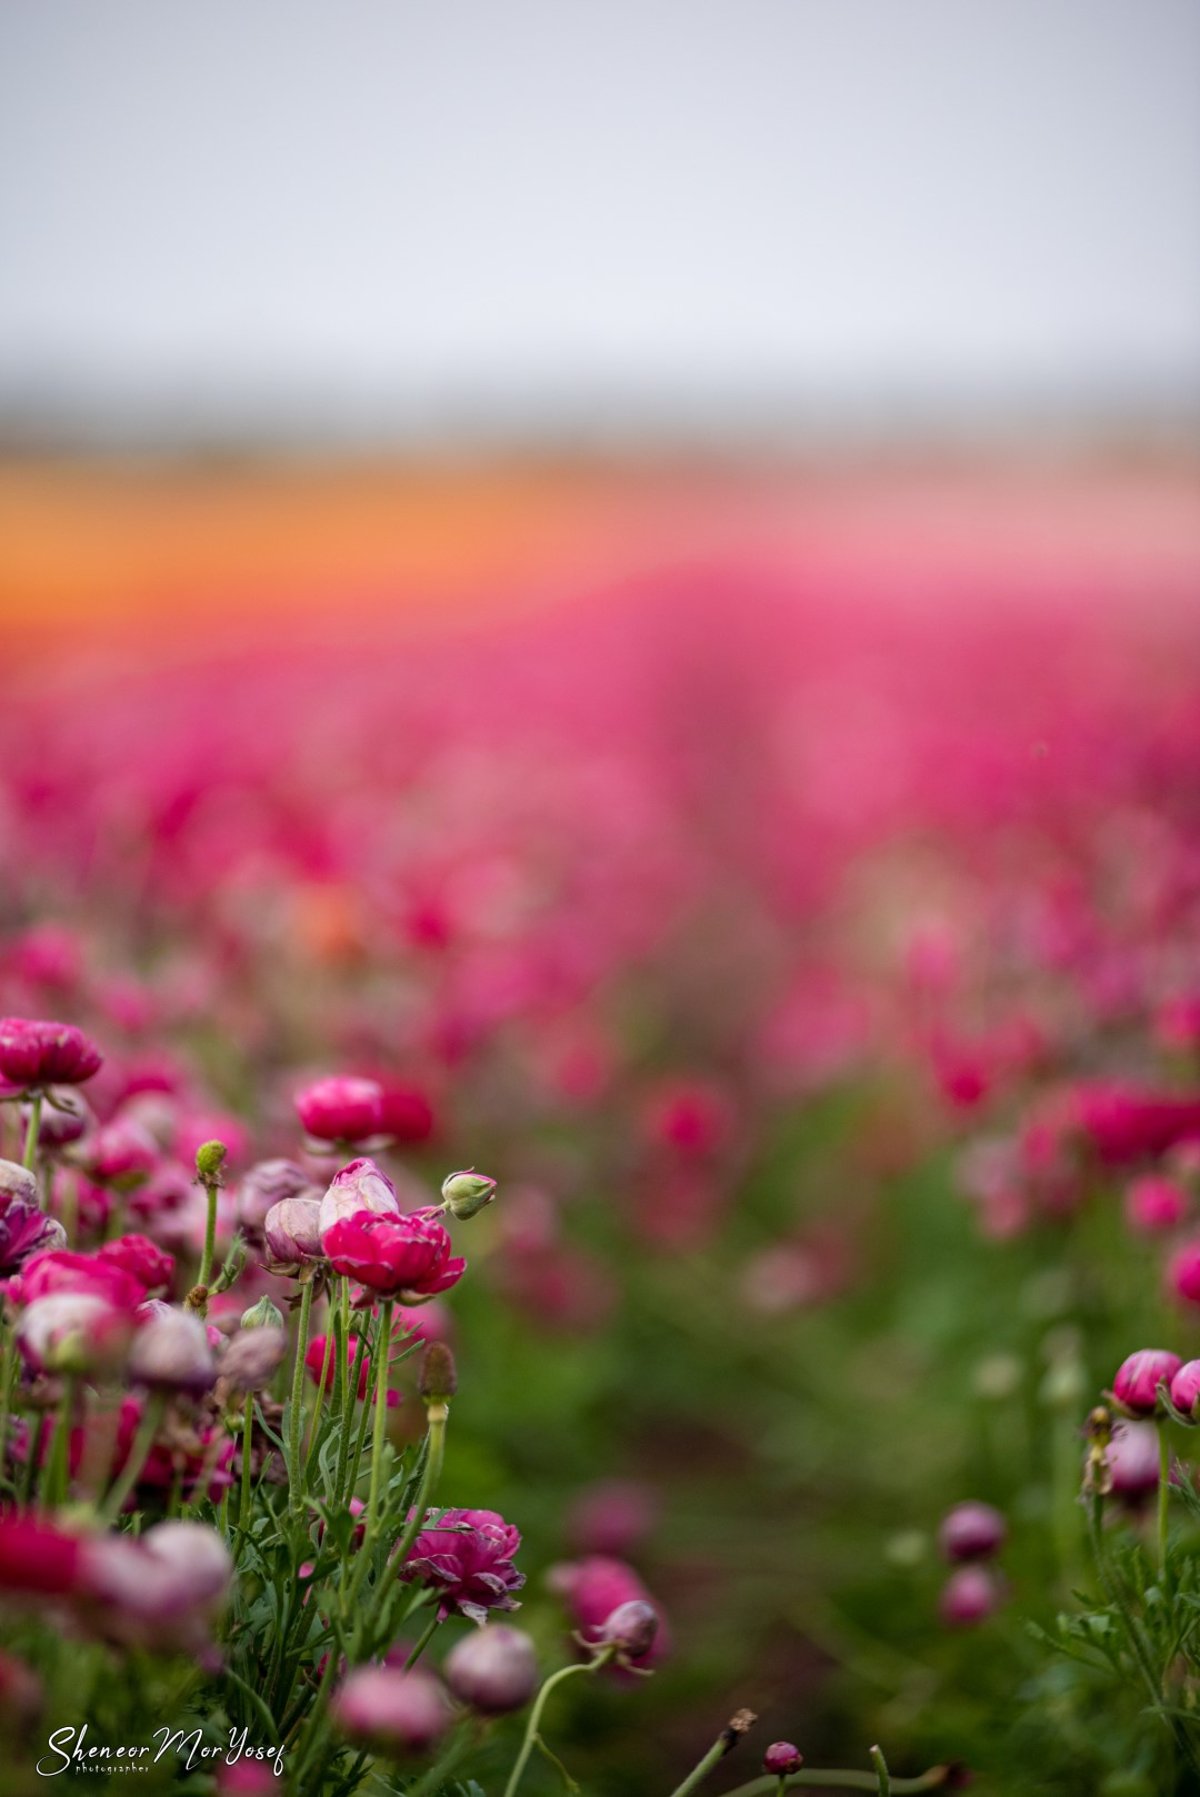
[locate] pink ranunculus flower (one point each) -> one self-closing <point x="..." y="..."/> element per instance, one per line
<point x="62" y="1270"/>
<point x="358" y="1186"/>
<point x="597" y="1586"/>
<point x="25" y="1229"/>
<point x="1154" y="1204"/>
<point x="341" y="1109"/>
<point x="467" y="1559"/>
<point x="292" y="1232"/>
<point x="406" y="1257"/>
<point x="1138" y="1378"/>
<point x="37" y="1053"/>
<point x="404" y="1712"/>
<point x="144" y="1260"/>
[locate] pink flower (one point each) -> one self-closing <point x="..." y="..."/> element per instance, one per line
<point x="1132" y="1459"/>
<point x="1183" y="1272"/>
<point x="164" y="1590"/>
<point x="1126" y="1123"/>
<point x="1154" y="1204"/>
<point x="61" y="1270"/>
<point x="34" y="1053"/>
<point x="122" y="1153"/>
<point x="1139" y="1377"/>
<point x="408" y="1257"/>
<point x="36" y="1559"/>
<point x="314" y="1361"/>
<point x="359" y="1185"/>
<point x="969" y="1597"/>
<point x="292" y="1231"/>
<point x="1185" y="1387"/>
<point x="404" y="1711"/>
<point x="468" y="1560"/>
<point x="25" y="1229"/>
<point x="74" y="1332"/>
<point x="972" y="1531"/>
<point x="267" y="1184"/>
<point x="597" y="1586"/>
<point x="494" y="1669"/>
<point x="341" y="1109"/>
<point x="138" y="1256"/>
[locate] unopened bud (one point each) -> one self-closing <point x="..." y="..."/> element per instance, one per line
<point x="252" y="1358"/>
<point x="171" y="1353"/>
<point x="494" y="1669"/>
<point x="210" y="1158"/>
<point x="631" y="1629"/>
<point x="467" y="1193"/>
<point x="263" y="1315"/>
<point x="781" y="1758"/>
<point x="439" y="1375"/>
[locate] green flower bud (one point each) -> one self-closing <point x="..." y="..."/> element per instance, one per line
<point x="263" y="1315"/>
<point x="466" y="1193"/>
<point x="210" y="1158"/>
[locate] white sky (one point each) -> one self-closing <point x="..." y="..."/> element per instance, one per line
<point x="398" y="212"/>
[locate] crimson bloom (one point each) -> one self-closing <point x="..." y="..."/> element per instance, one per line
<point x="35" y="1053"/>
<point x="25" y="1229"/>
<point x="468" y="1560"/>
<point x="142" y="1259"/>
<point x="341" y="1108"/>
<point x="62" y="1270"/>
<point x="36" y="1559"/>
<point x="407" y="1257"/>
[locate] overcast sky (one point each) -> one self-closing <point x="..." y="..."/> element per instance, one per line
<point x="400" y="214"/>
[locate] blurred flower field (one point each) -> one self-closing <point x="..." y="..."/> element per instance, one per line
<point x="789" y="897"/>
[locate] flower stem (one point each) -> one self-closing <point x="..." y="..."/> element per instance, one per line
<point x="378" y="1447"/>
<point x="297" y="1406"/>
<point x="427" y="1634"/>
<point x="58" y="1470"/>
<point x="33" y="1131"/>
<point x="1164" y="1492"/>
<point x="535" y="1715"/>
<point x="881" y="1771"/>
<point x="936" y="1779"/>
<point x="210" y="1238"/>
<point x="247" y="1432"/>
<point x="139" y="1453"/>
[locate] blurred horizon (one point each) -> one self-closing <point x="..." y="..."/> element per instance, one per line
<point x="821" y="227"/>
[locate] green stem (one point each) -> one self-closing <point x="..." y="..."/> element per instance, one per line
<point x="378" y="1446"/>
<point x="57" y="1472"/>
<point x="427" y="1634"/>
<point x="210" y="1239"/>
<point x="315" y="1420"/>
<point x="1164" y="1492"/>
<point x="247" y="1434"/>
<point x="436" y="1775"/>
<point x="33" y="1130"/>
<point x="535" y="1715"/>
<point x="881" y="1771"/>
<point x="723" y="1745"/>
<point x="294" y="1414"/>
<point x="936" y="1779"/>
<point x="360" y="1353"/>
<point x="139" y="1453"/>
<point x="8" y="1367"/>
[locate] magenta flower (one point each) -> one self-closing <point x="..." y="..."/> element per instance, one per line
<point x="292" y="1231"/>
<point x="1132" y="1457"/>
<point x="341" y="1109"/>
<point x="405" y="1712"/>
<point x="142" y="1259"/>
<point x="25" y="1229"/>
<point x="34" y="1053"/>
<point x="969" y="1597"/>
<point x="62" y="1270"/>
<point x="406" y="1257"/>
<point x="1185" y="1387"/>
<point x="972" y="1531"/>
<point x="595" y="1588"/>
<point x="468" y="1561"/>
<point x="1138" y="1378"/>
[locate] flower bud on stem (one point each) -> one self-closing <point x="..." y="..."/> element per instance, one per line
<point x="210" y="1158"/>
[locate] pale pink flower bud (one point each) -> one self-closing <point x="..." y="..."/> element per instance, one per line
<point x="493" y="1669"/>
